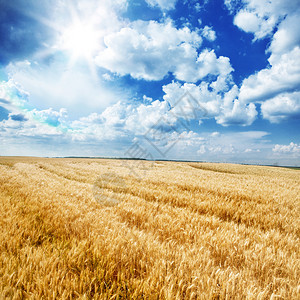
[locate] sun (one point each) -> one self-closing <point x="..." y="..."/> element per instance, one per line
<point x="78" y="35"/>
<point x="80" y="39"/>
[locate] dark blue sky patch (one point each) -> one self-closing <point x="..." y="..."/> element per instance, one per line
<point x="140" y="88"/>
<point x="20" y="33"/>
<point x="4" y="101"/>
<point x="3" y="113"/>
<point x="18" y="118"/>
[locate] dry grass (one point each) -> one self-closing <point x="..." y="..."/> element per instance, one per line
<point x="185" y="231"/>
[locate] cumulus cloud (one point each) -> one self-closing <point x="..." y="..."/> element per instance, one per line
<point x="237" y="114"/>
<point x="282" y="76"/>
<point x="144" y="52"/>
<point x="276" y="87"/>
<point x="207" y="63"/>
<point x="49" y="116"/>
<point x="19" y="126"/>
<point x="291" y="148"/>
<point x="181" y="104"/>
<point x="150" y="50"/>
<point x="209" y="33"/>
<point x="119" y="120"/>
<point x="25" y="121"/>
<point x="260" y="17"/>
<point x="252" y="22"/>
<point x="221" y="105"/>
<point x="282" y="107"/>
<point x="287" y="37"/>
<point x="160" y="121"/>
<point x="204" y="103"/>
<point x="124" y="122"/>
<point x="247" y="21"/>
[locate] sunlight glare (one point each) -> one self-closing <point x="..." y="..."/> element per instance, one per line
<point x="80" y="39"/>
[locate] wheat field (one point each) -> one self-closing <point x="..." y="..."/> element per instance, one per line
<point x="113" y="229"/>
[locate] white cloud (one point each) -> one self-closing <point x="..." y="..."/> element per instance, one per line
<point x="281" y="107"/>
<point x="150" y="50"/>
<point x="206" y="63"/>
<point x="248" y="150"/>
<point x="121" y="123"/>
<point x="26" y="120"/>
<point x="247" y="21"/>
<point x="261" y="16"/>
<point x="282" y="76"/>
<point x="57" y="86"/>
<point x="276" y="87"/>
<point x="203" y="102"/>
<point x="237" y="114"/>
<point x="224" y="107"/>
<point x="37" y="124"/>
<point x="163" y="4"/>
<point x="12" y="129"/>
<point x="49" y="116"/>
<point x="145" y="116"/>
<point x="291" y="148"/>
<point x="209" y="33"/>
<point x="252" y="22"/>
<point x="287" y="37"/>
<point x="182" y="103"/>
<point x="234" y="112"/>
<point x="120" y="120"/>
<point x="93" y="128"/>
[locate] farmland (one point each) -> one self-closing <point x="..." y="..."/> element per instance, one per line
<point x="112" y="229"/>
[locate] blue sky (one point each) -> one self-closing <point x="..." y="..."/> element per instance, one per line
<point x="209" y="80"/>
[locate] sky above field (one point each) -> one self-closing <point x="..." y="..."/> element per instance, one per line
<point x="209" y="80"/>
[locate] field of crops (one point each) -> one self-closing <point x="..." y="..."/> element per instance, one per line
<point x="113" y="229"/>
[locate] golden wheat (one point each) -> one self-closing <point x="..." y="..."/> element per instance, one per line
<point x="179" y="231"/>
